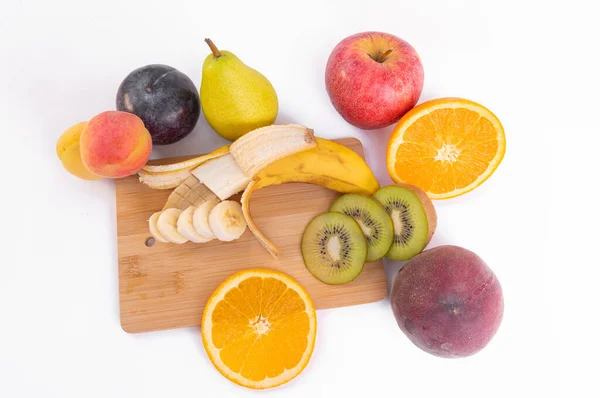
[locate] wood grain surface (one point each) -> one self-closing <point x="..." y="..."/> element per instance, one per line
<point x="166" y="286"/>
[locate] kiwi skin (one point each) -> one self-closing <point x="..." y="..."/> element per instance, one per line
<point x="427" y="205"/>
<point x="428" y="210"/>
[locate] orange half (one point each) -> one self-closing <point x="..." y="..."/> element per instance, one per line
<point x="447" y="147"/>
<point x="259" y="328"/>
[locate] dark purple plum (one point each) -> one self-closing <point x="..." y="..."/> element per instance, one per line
<point x="164" y="98"/>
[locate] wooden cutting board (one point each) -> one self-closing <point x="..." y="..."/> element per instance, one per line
<point x="166" y="286"/>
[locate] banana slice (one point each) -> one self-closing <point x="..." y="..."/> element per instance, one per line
<point x="200" y="218"/>
<point x="226" y="221"/>
<point x="167" y="225"/>
<point x="185" y="226"/>
<point x="154" y="229"/>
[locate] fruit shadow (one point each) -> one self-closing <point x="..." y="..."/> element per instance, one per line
<point x="374" y="144"/>
<point x="201" y="140"/>
<point x="285" y="118"/>
<point x="427" y="95"/>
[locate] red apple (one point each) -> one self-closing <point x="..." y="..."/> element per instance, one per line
<point x="373" y="79"/>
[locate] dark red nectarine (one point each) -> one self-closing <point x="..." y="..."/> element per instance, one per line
<point x="447" y="301"/>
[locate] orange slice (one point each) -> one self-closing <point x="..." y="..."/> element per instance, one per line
<point x="259" y="328"/>
<point x="447" y="147"/>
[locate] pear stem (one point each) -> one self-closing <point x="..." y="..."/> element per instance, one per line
<point x="213" y="48"/>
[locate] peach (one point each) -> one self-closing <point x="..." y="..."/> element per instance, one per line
<point x="115" y="144"/>
<point x="67" y="149"/>
<point x="447" y="301"/>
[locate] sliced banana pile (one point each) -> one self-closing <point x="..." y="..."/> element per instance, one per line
<point x="199" y="224"/>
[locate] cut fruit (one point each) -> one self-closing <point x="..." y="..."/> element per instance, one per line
<point x="373" y="220"/>
<point x="427" y="206"/>
<point x="200" y="219"/>
<point x="222" y="176"/>
<point x="411" y="225"/>
<point x="226" y="221"/>
<point x="185" y="226"/>
<point x="259" y="328"/>
<point x="191" y="192"/>
<point x="167" y="226"/>
<point x="334" y="248"/>
<point x="229" y="173"/>
<point x="154" y="229"/>
<point x="447" y="147"/>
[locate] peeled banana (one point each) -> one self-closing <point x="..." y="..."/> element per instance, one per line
<point x="270" y="155"/>
<point x="222" y="176"/>
<point x="229" y="172"/>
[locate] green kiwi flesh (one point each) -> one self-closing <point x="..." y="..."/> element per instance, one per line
<point x="409" y="218"/>
<point x="334" y="248"/>
<point x="373" y="220"/>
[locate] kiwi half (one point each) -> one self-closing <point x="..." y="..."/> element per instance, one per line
<point x="373" y="220"/>
<point x="410" y="217"/>
<point x="334" y="248"/>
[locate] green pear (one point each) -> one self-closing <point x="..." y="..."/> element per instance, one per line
<point x="235" y="98"/>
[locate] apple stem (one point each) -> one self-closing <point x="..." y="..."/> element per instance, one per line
<point x="213" y="48"/>
<point x="382" y="57"/>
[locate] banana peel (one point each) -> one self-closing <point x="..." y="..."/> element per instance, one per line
<point x="169" y="176"/>
<point x="226" y="173"/>
<point x="329" y="165"/>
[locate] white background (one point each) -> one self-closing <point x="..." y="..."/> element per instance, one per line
<point x="532" y="63"/>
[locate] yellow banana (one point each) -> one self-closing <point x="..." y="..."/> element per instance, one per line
<point x="329" y="165"/>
